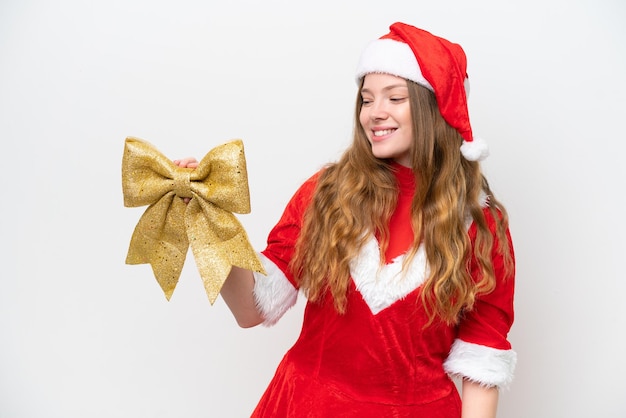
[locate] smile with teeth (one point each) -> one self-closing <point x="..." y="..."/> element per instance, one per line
<point x="383" y="132"/>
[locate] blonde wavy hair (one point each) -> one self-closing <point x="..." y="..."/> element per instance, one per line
<point x="356" y="196"/>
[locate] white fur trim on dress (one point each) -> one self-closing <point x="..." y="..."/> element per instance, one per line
<point x="381" y="286"/>
<point x="476" y="150"/>
<point x="274" y="294"/>
<point x="478" y="363"/>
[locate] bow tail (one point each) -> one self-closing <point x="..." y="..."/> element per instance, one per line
<point x="218" y="242"/>
<point x="157" y="241"/>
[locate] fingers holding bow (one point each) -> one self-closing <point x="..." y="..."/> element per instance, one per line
<point x="188" y="162"/>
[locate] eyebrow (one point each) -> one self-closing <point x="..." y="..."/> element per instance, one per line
<point x="387" y="88"/>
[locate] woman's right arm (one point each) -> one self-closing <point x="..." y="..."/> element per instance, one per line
<point x="238" y="294"/>
<point x="237" y="290"/>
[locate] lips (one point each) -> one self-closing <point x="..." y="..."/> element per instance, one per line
<point x="383" y="132"/>
<point x="380" y="134"/>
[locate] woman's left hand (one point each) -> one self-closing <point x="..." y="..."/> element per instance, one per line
<point x="188" y="162"/>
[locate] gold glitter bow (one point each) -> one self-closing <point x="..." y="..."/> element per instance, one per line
<point x="217" y="187"/>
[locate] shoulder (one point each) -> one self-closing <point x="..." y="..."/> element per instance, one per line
<point x="493" y="216"/>
<point x="319" y="179"/>
<point x="307" y="188"/>
<point x="493" y="219"/>
<point x="304" y="193"/>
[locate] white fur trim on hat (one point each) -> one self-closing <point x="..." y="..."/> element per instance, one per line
<point x="476" y="150"/>
<point x="274" y="294"/>
<point x="478" y="363"/>
<point x="391" y="57"/>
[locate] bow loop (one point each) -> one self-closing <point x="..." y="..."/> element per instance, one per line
<point x="224" y="178"/>
<point x="217" y="187"/>
<point x="146" y="173"/>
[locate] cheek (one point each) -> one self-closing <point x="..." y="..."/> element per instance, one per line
<point x="363" y="118"/>
<point x="408" y="121"/>
<point x="407" y="115"/>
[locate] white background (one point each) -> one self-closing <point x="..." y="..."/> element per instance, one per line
<point x="84" y="335"/>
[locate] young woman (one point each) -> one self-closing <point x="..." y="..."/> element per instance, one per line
<point x="402" y="251"/>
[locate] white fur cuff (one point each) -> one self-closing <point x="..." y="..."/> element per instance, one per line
<point x="485" y="365"/>
<point x="274" y="294"/>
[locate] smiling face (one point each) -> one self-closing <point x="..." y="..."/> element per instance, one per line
<point x="386" y="117"/>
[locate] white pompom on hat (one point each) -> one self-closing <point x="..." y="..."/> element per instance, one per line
<point x="433" y="62"/>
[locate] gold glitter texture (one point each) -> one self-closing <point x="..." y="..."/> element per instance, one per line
<point x="217" y="188"/>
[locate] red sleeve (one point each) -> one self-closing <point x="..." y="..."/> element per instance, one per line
<point x="482" y="352"/>
<point x="489" y="322"/>
<point x="282" y="238"/>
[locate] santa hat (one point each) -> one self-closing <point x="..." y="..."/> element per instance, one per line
<point x="433" y="62"/>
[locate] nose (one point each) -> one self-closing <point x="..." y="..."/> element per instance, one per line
<point x="378" y="110"/>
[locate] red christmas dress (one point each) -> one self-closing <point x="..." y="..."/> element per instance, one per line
<point x="377" y="359"/>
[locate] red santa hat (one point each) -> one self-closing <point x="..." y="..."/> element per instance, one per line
<point x="433" y="62"/>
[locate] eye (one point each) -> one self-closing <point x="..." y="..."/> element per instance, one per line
<point x="365" y="101"/>
<point x="397" y="99"/>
